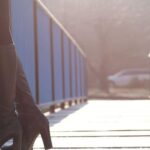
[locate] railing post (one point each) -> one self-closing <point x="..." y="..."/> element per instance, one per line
<point x="52" y="59"/>
<point x="70" y="68"/>
<point x="36" y="52"/>
<point x="76" y="73"/>
<point x="86" y="78"/>
<point x="80" y="66"/>
<point x="62" y="64"/>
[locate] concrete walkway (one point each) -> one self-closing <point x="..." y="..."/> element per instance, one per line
<point x="101" y="125"/>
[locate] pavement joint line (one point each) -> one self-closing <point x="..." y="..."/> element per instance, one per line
<point x="101" y="136"/>
<point x="143" y="147"/>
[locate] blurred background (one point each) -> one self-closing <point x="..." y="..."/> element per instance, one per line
<point x="115" y="36"/>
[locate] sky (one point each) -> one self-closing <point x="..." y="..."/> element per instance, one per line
<point x="105" y="25"/>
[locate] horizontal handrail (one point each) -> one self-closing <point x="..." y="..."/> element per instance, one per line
<point x="50" y="14"/>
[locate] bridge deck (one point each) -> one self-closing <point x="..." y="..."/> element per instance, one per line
<point x="101" y="125"/>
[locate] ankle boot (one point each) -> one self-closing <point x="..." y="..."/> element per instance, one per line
<point x="9" y="124"/>
<point x="33" y="123"/>
<point x="32" y="120"/>
<point x="10" y="128"/>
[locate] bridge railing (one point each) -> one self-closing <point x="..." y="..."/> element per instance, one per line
<point x="54" y="63"/>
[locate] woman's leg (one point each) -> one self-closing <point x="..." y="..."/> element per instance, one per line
<point x="8" y="61"/>
<point x="5" y="37"/>
<point x="9" y="124"/>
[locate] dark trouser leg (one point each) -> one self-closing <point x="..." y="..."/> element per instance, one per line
<point x="8" y="61"/>
<point x="9" y="124"/>
<point x="5" y="37"/>
<point x="8" y="68"/>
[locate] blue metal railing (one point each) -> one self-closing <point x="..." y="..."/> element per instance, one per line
<point x="54" y="63"/>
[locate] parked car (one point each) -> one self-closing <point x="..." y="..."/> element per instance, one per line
<point x="129" y="76"/>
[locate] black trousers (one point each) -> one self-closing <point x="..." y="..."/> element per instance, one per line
<point x="13" y="83"/>
<point x="8" y="76"/>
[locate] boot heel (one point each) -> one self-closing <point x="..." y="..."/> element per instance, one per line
<point x="45" y="134"/>
<point x="17" y="140"/>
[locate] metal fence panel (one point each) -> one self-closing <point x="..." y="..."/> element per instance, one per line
<point x="78" y="74"/>
<point x="44" y="48"/>
<point x="23" y="36"/>
<point x="57" y="62"/>
<point x="73" y="57"/>
<point x="82" y="76"/>
<point x="66" y="67"/>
